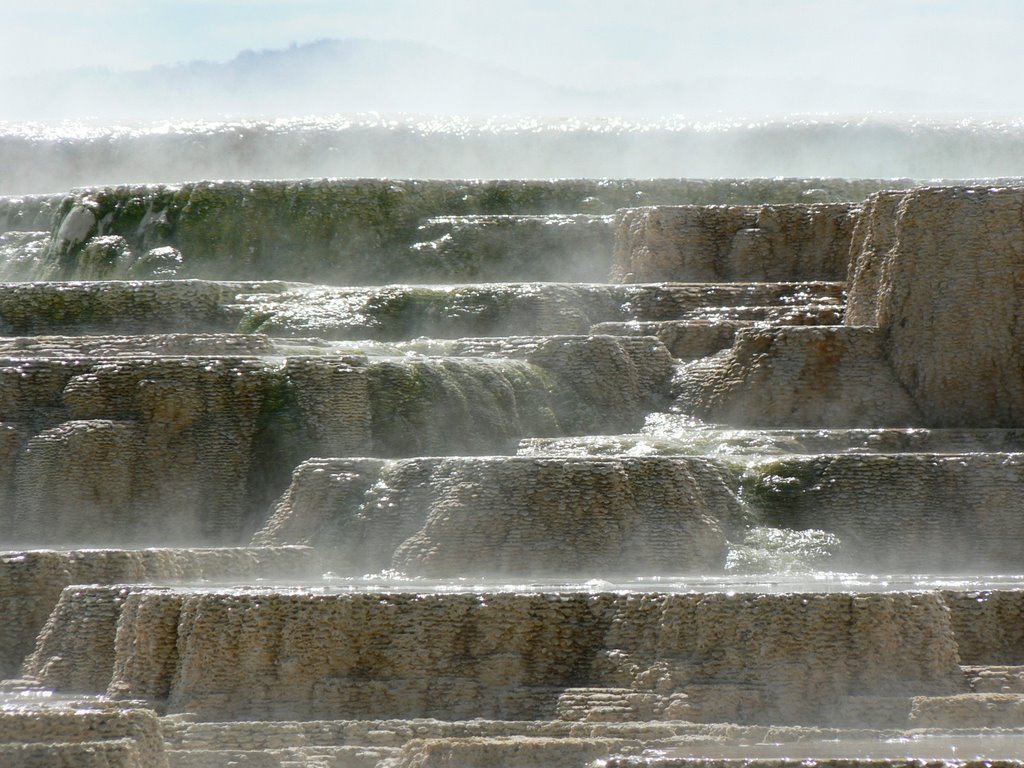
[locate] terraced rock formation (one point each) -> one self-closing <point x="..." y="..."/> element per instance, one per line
<point x="352" y="498"/>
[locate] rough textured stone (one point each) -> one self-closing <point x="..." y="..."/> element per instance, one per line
<point x="358" y="231"/>
<point x="939" y="270"/>
<point x="605" y="383"/>
<point x="718" y="243"/>
<point x="989" y="625"/>
<point x="80" y="735"/>
<point x="31" y="581"/>
<point x="906" y="512"/>
<point x="111" y="307"/>
<point x="127" y="448"/>
<point x="509" y="515"/>
<point x="797" y="377"/>
<point x="503" y="654"/>
<point x="553" y="247"/>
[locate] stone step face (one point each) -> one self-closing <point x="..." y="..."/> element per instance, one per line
<point x="510" y="515"/>
<point x="139" y="449"/>
<point x="825" y="377"/>
<point x="731" y="242"/>
<point x="968" y="710"/>
<point x="352" y="231"/>
<point x="80" y="733"/>
<point x="899" y="512"/>
<point x="387" y="313"/>
<point x="31" y="581"/>
<point x="574" y="247"/>
<point x="995" y="679"/>
<point x="407" y="654"/>
<point x="715" y="330"/>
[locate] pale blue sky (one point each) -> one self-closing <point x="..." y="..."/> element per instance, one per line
<point x="931" y="44"/>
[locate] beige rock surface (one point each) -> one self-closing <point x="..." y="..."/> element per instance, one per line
<point x="989" y="625"/>
<point x="74" y="734"/>
<point x="135" y="449"/>
<point x="911" y="512"/>
<point x="31" y="581"/>
<point x="510" y="515"/>
<point x="733" y="242"/>
<point x="940" y="271"/>
<point x="797" y="377"/>
<point x="604" y="383"/>
<point x="289" y="654"/>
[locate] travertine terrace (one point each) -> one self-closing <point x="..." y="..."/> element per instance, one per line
<point x="396" y="474"/>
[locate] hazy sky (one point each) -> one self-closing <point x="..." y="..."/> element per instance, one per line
<point x="579" y="42"/>
<point x="937" y="45"/>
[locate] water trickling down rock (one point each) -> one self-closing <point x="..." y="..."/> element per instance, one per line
<point x="705" y="505"/>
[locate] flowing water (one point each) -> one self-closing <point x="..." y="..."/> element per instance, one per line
<point x="503" y="471"/>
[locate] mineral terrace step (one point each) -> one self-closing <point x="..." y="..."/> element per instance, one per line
<point x="714" y="330"/>
<point x="995" y="679"/>
<point x="31" y="580"/>
<point x="798" y="376"/>
<point x="403" y="656"/>
<point x="969" y="710"/>
<point x="466" y="516"/>
<point x="397" y="312"/>
<point x="667" y="434"/>
<point x="516" y="247"/>
<point x="193" y="448"/>
<point x="384" y="313"/>
<point x="902" y="511"/>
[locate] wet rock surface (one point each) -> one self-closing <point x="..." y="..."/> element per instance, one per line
<point x="510" y="515"/>
<point x="540" y="522"/>
<point x="938" y="270"/>
<point x="718" y="243"/>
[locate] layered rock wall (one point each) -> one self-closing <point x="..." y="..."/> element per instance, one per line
<point x="31" y="581"/>
<point x="797" y="377"/>
<point x="301" y="656"/>
<point x="355" y="231"/>
<point x="573" y="247"/>
<point x="80" y="735"/>
<point x="939" y="271"/>
<point x="718" y="243"/>
<point x="110" y="444"/>
<point x="510" y="515"/>
<point x="908" y="512"/>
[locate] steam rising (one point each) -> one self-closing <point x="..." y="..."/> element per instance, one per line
<point x="51" y="157"/>
<point x="456" y="474"/>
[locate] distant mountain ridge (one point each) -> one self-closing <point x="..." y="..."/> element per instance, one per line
<point x="396" y="76"/>
<point x="326" y="76"/>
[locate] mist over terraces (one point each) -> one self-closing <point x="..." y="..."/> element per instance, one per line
<point x="533" y="391"/>
<point x="395" y="473"/>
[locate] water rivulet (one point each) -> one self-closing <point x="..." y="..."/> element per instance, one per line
<point x="360" y="473"/>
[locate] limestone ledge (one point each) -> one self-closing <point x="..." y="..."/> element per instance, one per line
<point x="511" y="515"/>
<point x="31" y="581"/>
<point x="385" y="313"/>
<point x="938" y="270"/>
<point x="194" y="447"/>
<point x="719" y="242"/>
<point x="184" y="734"/>
<point x="290" y="654"/>
<point x="831" y="377"/>
<point x="911" y="512"/>
<point x="80" y="735"/>
<point x="359" y="231"/>
<point x="573" y="247"/>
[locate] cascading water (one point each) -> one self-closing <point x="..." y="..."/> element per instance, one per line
<point x="756" y="498"/>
